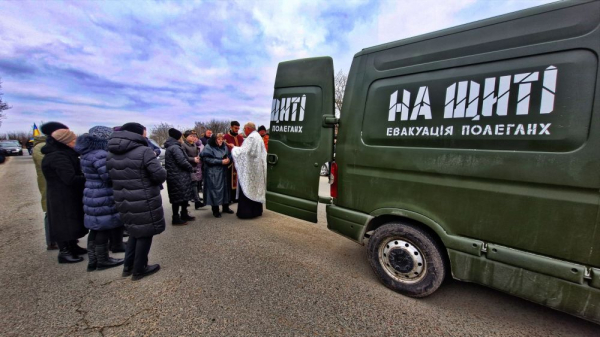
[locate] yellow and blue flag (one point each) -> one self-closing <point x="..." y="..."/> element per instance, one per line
<point x="36" y="131"/>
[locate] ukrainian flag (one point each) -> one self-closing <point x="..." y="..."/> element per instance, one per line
<point x="36" y="131"/>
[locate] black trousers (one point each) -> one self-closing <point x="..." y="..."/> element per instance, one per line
<point x="180" y="205"/>
<point x="136" y="253"/>
<point x="99" y="237"/>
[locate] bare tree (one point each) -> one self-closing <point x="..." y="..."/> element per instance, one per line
<point x="3" y="106"/>
<point x="340" y="86"/>
<point x="160" y="133"/>
<point x="215" y="125"/>
<point x="22" y="136"/>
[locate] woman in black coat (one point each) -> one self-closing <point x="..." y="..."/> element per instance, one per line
<point x="215" y="157"/>
<point x="179" y="181"/>
<point x="64" y="191"/>
<point x="136" y="176"/>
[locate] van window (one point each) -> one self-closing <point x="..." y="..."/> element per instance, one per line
<point x="538" y="103"/>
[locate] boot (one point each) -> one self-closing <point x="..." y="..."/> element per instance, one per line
<point x="104" y="261"/>
<point x="185" y="216"/>
<point x="92" y="260"/>
<point x="227" y="210"/>
<point x="216" y="213"/>
<point x="75" y="249"/>
<point x="116" y="240"/>
<point x="198" y="204"/>
<point x="149" y="270"/>
<point x="177" y="221"/>
<point x="65" y="256"/>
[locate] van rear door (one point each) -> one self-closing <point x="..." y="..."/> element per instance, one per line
<point x="301" y="135"/>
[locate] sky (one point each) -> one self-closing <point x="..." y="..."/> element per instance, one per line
<point x="87" y="63"/>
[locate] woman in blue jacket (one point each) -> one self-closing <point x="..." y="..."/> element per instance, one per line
<point x="101" y="215"/>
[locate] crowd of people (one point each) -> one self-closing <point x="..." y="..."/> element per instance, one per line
<point x="107" y="184"/>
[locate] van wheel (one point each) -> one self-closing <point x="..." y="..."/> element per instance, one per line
<point x="406" y="259"/>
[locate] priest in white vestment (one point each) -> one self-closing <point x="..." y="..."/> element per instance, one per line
<point x="251" y="164"/>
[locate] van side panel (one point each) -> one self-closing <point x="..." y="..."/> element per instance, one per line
<point x="534" y="188"/>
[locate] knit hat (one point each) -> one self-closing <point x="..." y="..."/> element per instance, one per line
<point x="50" y="127"/>
<point x="133" y="127"/>
<point x="102" y="132"/>
<point x="64" y="136"/>
<point x="174" y="133"/>
<point x="262" y="128"/>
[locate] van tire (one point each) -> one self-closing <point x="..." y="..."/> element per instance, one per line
<point x="388" y="251"/>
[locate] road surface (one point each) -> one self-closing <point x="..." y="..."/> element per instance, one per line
<point x="272" y="276"/>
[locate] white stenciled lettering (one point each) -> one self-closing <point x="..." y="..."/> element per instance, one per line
<point x="425" y="132"/>
<point x="448" y="131"/>
<point x="422" y="106"/>
<point x="545" y="129"/>
<point x="411" y="131"/>
<point x="476" y="130"/>
<point x="490" y="99"/>
<point x="499" y="131"/>
<point x="419" y="130"/>
<point x="389" y="132"/>
<point x="435" y="131"/>
<point x="465" y="130"/>
<point x="508" y="127"/>
<point x="548" y="90"/>
<point x="404" y="132"/>
<point x="396" y="131"/>
<point x="487" y="130"/>
<point x="524" y="94"/>
<point x="288" y="109"/>
<point x="520" y="130"/>
<point x="531" y="129"/>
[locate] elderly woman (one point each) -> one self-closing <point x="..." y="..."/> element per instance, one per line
<point x="65" y="183"/>
<point x="216" y="158"/>
<point x="101" y="215"/>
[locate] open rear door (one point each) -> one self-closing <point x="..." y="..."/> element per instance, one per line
<point x="301" y="135"/>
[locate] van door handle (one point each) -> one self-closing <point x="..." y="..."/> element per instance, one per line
<point x="329" y="121"/>
<point x="272" y="158"/>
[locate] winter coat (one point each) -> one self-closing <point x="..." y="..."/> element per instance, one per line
<point x="216" y="188"/>
<point x="37" y="156"/>
<point x="136" y="176"/>
<point x="179" y="182"/>
<point x="192" y="151"/>
<point x="98" y="201"/>
<point x="64" y="191"/>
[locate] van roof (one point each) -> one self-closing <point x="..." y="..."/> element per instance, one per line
<point x="474" y="25"/>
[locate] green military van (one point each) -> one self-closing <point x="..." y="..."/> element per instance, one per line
<point x="473" y="151"/>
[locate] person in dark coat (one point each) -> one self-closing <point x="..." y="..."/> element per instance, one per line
<point x="179" y="181"/>
<point x="204" y="139"/>
<point x="216" y="158"/>
<point x="136" y="176"/>
<point x="190" y="147"/>
<point x="64" y="191"/>
<point x="101" y="215"/>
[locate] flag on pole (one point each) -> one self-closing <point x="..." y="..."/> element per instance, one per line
<point x="36" y="131"/>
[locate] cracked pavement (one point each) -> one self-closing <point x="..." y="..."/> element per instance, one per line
<point x="226" y="277"/>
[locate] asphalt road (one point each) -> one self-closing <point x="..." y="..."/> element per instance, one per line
<point x="270" y="276"/>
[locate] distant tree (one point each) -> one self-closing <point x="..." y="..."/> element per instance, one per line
<point x="340" y="86"/>
<point x="216" y="125"/>
<point x="160" y="133"/>
<point x="22" y="136"/>
<point x="3" y="106"/>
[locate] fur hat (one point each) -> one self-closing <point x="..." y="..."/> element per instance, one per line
<point x="189" y="132"/>
<point x="102" y="132"/>
<point x="133" y="127"/>
<point x="174" y="133"/>
<point x="50" y="127"/>
<point x="64" y="136"/>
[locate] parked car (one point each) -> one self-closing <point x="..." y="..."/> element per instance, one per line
<point x="12" y="147"/>
<point x="161" y="156"/>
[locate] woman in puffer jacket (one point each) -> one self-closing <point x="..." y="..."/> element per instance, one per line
<point x="179" y="181"/>
<point x="101" y="215"/>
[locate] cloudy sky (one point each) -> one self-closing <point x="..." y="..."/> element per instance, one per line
<point x="91" y="63"/>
